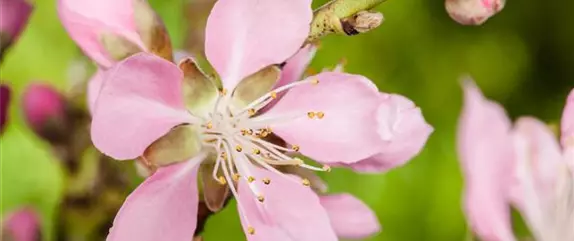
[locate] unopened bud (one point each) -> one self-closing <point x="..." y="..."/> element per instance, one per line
<point x="473" y="12"/>
<point x="14" y="16"/>
<point x="366" y="21"/>
<point x="4" y="103"/>
<point x="44" y="110"/>
<point x="21" y="225"/>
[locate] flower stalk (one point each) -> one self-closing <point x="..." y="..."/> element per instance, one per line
<point x="344" y="17"/>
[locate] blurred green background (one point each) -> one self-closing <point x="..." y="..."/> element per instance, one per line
<point x="523" y="58"/>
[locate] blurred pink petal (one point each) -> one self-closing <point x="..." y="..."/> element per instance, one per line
<point x="290" y="211"/>
<point x="346" y="133"/>
<point x="41" y="104"/>
<point x="5" y="96"/>
<point x="22" y="225"/>
<point x="485" y="150"/>
<point x="350" y="217"/>
<point x="243" y="37"/>
<point x="94" y="87"/>
<point x="473" y="12"/>
<point x="403" y="128"/>
<point x="87" y="20"/>
<point x="14" y="16"/>
<point x="163" y="207"/>
<point x="538" y="165"/>
<point x="567" y="136"/>
<point x="140" y="101"/>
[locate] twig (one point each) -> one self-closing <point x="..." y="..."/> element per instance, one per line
<point x="348" y="17"/>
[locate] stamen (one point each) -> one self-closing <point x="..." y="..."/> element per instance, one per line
<point x="311" y="115"/>
<point x="326" y="168"/>
<point x="209" y="125"/>
<point x="250" y="179"/>
<point x="256" y="151"/>
<point x="260" y="198"/>
<point x="306" y="182"/>
<point x="250" y="230"/>
<point x="238" y="148"/>
<point x="315" y="81"/>
<point x="295" y="148"/>
<point x="223" y="92"/>
<point x="236" y="177"/>
<point x="221" y="180"/>
<point x="251" y="112"/>
<point x="320" y="115"/>
<point x="266" y="181"/>
<point x="273" y="94"/>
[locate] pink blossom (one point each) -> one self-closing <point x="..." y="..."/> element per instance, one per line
<point x="175" y="118"/>
<point x="22" y="225"/>
<point x="523" y="166"/>
<point x="14" y="16"/>
<point x="42" y="105"/>
<point x="473" y="12"/>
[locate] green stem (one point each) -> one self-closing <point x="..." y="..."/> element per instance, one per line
<point x="330" y="17"/>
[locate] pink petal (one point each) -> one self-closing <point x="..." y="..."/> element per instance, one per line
<point x="568" y="122"/>
<point x="94" y="87"/>
<point x="163" y="207"/>
<point x="346" y="134"/>
<point x="290" y="212"/>
<point x="245" y="36"/>
<point x="538" y="154"/>
<point x="14" y="16"/>
<point x="296" y="65"/>
<point x="23" y="225"/>
<point x="86" y="20"/>
<point x="485" y="150"/>
<point x="140" y="101"/>
<point x="405" y="131"/>
<point x="350" y="217"/>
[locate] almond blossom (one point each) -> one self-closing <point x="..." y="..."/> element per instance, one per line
<point x="473" y="12"/>
<point x="21" y="225"/>
<point x="522" y="166"/>
<point x="243" y="136"/>
<point x="14" y="16"/>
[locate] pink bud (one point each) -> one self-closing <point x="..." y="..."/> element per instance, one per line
<point x="473" y="12"/>
<point x="4" y="102"/>
<point x="13" y="18"/>
<point x="23" y="225"/>
<point x="88" y="21"/>
<point x="42" y="105"/>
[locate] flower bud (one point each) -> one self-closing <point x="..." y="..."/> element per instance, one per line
<point x="13" y="18"/>
<point x="22" y="225"/>
<point x="473" y="12"/>
<point x="44" y="110"/>
<point x="4" y="103"/>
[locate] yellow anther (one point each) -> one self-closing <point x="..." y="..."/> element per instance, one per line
<point x="311" y="114"/>
<point x="236" y="177"/>
<point x="250" y="132"/>
<point x="306" y="182"/>
<point x="250" y="230"/>
<point x="256" y="151"/>
<point x="315" y="81"/>
<point x="326" y="168"/>
<point x="260" y="198"/>
<point x="274" y="95"/>
<point x="238" y="148"/>
<point x="268" y="129"/>
<point x="222" y="180"/>
<point x="223" y="154"/>
<point x="320" y="115"/>
<point x="243" y="132"/>
<point x="264" y="133"/>
<point x="209" y="125"/>
<point x="251" y="112"/>
<point x="266" y="181"/>
<point x="223" y="91"/>
<point x="250" y="179"/>
<point x="295" y="147"/>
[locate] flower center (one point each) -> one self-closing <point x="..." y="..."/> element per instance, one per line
<point x="240" y="139"/>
